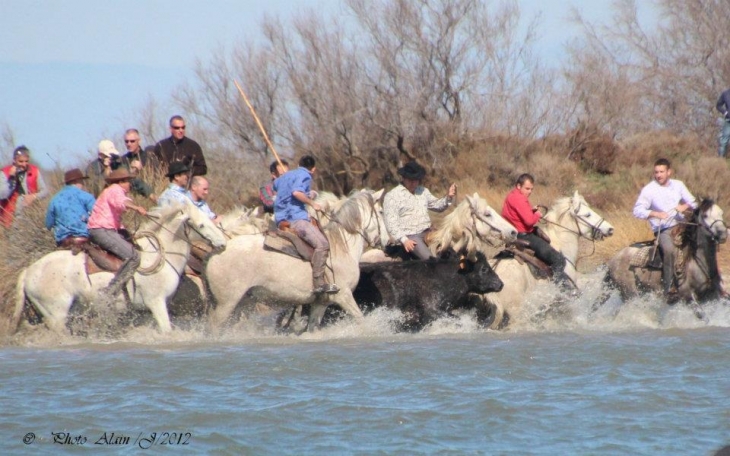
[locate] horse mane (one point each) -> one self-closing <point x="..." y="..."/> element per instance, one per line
<point x="689" y="233"/>
<point x="453" y="233"/>
<point x="239" y="221"/>
<point x="161" y="215"/>
<point x="348" y="218"/>
<point x="560" y="207"/>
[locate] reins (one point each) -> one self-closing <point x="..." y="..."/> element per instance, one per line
<point x="577" y="218"/>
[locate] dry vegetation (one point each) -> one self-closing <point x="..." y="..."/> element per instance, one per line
<point x="458" y="85"/>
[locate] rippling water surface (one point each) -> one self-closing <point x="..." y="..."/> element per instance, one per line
<point x="631" y="379"/>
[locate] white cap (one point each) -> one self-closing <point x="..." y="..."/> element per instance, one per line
<point x="106" y="147"/>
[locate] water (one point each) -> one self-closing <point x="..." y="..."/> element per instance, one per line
<point x="633" y="379"/>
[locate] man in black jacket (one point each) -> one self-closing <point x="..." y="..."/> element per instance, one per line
<point x="179" y="148"/>
<point x="140" y="163"/>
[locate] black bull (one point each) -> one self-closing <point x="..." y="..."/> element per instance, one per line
<point x="425" y="290"/>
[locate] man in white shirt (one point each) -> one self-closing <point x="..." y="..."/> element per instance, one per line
<point x="198" y="193"/>
<point x="663" y="202"/>
<point x="405" y="210"/>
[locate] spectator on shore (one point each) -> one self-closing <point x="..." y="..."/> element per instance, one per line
<point x="23" y="184"/>
<point x="107" y="160"/>
<point x="139" y="163"/>
<point x="723" y="105"/>
<point x="69" y="210"/>
<point x="180" y="148"/>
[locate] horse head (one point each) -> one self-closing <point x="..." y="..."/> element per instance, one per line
<point x="488" y="222"/>
<point x="202" y="225"/>
<point x="590" y="224"/>
<point x="709" y="216"/>
<point x="361" y="214"/>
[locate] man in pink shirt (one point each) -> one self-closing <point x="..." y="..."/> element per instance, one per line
<point x="105" y="227"/>
<point x="519" y="212"/>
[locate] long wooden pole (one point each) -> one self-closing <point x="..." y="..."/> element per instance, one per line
<point x="258" y="122"/>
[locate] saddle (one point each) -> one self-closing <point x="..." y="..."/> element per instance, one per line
<point x="647" y="253"/>
<point x="198" y="255"/>
<point x="284" y="240"/>
<point x="97" y="259"/>
<point x="520" y="251"/>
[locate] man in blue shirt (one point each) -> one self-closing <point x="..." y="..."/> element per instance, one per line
<point x="176" y="191"/>
<point x="292" y="195"/>
<point x="69" y="209"/>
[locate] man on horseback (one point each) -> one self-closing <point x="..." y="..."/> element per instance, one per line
<point x="292" y="194"/>
<point x="405" y="210"/>
<point x="519" y="212"/>
<point x="105" y="227"/>
<point x="663" y="202"/>
<point x="176" y="191"/>
<point x="68" y="212"/>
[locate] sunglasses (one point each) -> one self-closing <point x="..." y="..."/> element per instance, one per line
<point x="179" y="128"/>
<point x="128" y="141"/>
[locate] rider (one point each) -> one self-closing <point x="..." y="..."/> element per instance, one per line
<point x="105" y="227"/>
<point x="518" y="211"/>
<point x="68" y="212"/>
<point x="292" y="194"/>
<point x="663" y="201"/>
<point x="405" y="210"/>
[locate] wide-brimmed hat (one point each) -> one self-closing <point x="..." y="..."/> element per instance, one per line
<point x="177" y="168"/>
<point x="106" y="148"/>
<point x="412" y="170"/>
<point x="117" y="175"/>
<point x="73" y="175"/>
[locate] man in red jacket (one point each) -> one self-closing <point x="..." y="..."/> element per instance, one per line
<point x="518" y="211"/>
<point x="20" y="185"/>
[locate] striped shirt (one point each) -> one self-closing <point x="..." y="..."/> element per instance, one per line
<point x="663" y="198"/>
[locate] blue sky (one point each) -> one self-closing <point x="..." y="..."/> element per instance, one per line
<point x="73" y="72"/>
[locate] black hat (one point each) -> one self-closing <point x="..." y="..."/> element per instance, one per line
<point x="412" y="170"/>
<point x="177" y="168"/>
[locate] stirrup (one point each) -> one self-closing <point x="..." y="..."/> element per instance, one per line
<point x="329" y="288"/>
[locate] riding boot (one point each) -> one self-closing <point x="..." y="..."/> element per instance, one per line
<point x="318" y="264"/>
<point x="565" y="283"/>
<point x="121" y="277"/>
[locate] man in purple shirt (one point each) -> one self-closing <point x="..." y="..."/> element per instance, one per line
<point x="662" y="202"/>
<point x="292" y="195"/>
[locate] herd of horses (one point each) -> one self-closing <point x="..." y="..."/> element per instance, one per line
<point x="241" y="271"/>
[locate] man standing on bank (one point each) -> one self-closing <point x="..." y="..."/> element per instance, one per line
<point x="180" y="148"/>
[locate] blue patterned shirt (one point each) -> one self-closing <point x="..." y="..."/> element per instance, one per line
<point x="174" y="193"/>
<point x="286" y="207"/>
<point x="68" y="213"/>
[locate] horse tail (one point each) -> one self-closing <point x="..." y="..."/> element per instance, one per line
<point x="19" y="301"/>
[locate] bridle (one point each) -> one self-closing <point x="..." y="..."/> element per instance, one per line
<point x="476" y="215"/>
<point x="595" y="233"/>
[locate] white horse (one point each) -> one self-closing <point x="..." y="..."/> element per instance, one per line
<point x="567" y="221"/>
<point x="701" y="279"/>
<point x="53" y="283"/>
<point x="245" y="266"/>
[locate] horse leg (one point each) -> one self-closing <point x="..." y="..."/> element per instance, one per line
<point x="158" y="307"/>
<point x="316" y="313"/>
<point x="19" y="302"/>
<point x="345" y="300"/>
